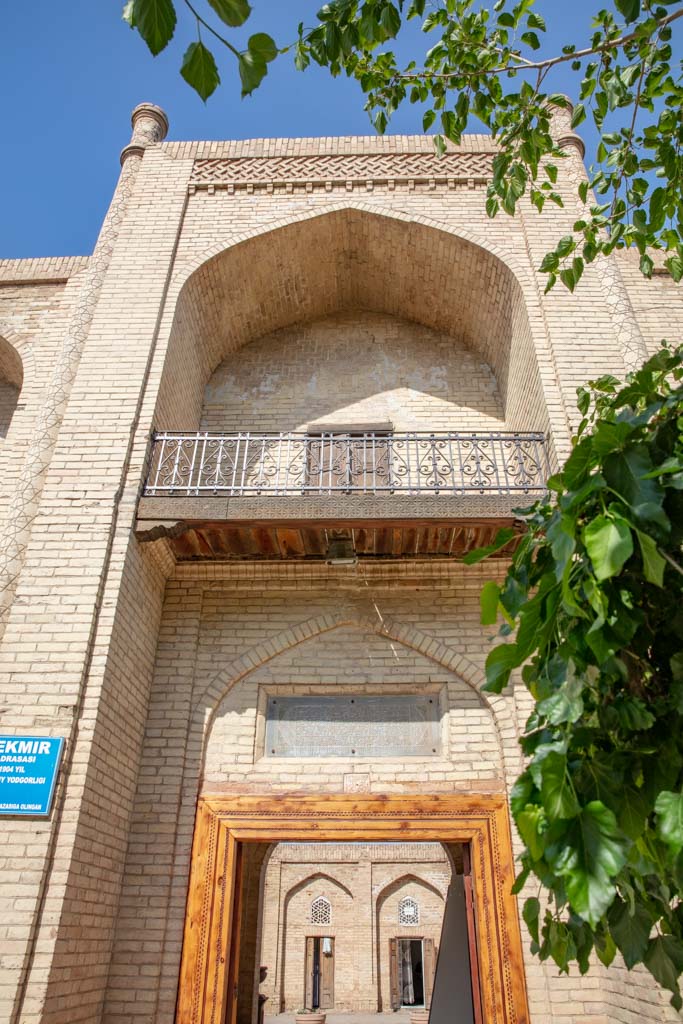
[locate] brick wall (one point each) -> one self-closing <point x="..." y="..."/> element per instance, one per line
<point x="364" y="885"/>
<point x="356" y="369"/>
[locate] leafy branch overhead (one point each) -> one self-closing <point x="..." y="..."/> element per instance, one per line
<point x="595" y="594"/>
<point x="483" y="65"/>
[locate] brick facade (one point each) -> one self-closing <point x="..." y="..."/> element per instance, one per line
<point x="364" y="886"/>
<point x="266" y="284"/>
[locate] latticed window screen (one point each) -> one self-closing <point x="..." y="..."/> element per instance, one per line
<point x="321" y="911"/>
<point x="408" y="911"/>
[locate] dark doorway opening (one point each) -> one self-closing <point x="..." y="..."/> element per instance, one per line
<point x="319" y="992"/>
<point x="411" y="972"/>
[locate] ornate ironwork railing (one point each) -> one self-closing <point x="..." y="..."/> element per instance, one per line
<point x="353" y="463"/>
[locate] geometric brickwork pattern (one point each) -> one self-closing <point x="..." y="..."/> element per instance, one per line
<point x="363" y="167"/>
<point x="321" y="911"/>
<point x="408" y="911"/>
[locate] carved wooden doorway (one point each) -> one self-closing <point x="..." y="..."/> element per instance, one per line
<point x="208" y="976"/>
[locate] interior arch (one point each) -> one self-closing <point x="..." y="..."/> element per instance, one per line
<point x="351" y="259"/>
<point x="317" y="876"/>
<point x="398" y="883"/>
<point x="11" y="380"/>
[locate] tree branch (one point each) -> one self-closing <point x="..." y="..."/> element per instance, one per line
<point x="528" y="65"/>
<point x="212" y="30"/>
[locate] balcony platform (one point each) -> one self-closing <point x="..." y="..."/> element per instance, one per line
<point x="264" y="496"/>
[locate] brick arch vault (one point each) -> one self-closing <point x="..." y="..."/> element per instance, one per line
<point x="360" y="257"/>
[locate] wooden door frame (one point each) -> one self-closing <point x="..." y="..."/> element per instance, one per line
<point x="225" y="822"/>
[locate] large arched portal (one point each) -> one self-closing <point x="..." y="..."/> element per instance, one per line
<point x="353" y="260"/>
<point x="356" y="353"/>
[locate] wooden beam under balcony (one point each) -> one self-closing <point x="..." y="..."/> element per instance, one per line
<point x="309" y="540"/>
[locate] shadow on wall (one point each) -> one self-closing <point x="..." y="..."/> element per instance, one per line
<point x="355" y="368"/>
<point x="452" y="996"/>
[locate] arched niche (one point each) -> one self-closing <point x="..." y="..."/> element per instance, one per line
<point x="353" y="367"/>
<point x="344" y="260"/>
<point x="11" y="380"/>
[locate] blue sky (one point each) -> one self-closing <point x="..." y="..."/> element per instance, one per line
<point x="71" y="73"/>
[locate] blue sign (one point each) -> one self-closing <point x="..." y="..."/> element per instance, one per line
<point x="28" y="773"/>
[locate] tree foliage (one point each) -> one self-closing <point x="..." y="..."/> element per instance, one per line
<point x="483" y="65"/>
<point x="594" y="596"/>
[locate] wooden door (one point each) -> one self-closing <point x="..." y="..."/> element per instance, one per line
<point x="394" y="975"/>
<point x="468" y="885"/>
<point x="308" y="967"/>
<point x="326" y="975"/>
<point x="428" y="969"/>
<point x="232" y="974"/>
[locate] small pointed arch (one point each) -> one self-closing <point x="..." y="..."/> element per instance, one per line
<point x="316" y="878"/>
<point x="11" y="379"/>
<point x="209" y="700"/>
<point x="398" y="883"/>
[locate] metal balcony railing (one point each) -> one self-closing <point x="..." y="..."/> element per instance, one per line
<point x="348" y="463"/>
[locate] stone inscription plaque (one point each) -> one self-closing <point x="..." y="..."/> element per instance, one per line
<point x="393" y="726"/>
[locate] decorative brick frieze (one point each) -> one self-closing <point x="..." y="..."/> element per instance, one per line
<point x="343" y="171"/>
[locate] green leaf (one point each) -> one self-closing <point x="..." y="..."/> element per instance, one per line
<point x="605" y="947"/>
<point x="232" y="12"/>
<point x="566" y="704"/>
<point x="577" y="466"/>
<point x="630" y="931"/>
<point x="499" y="665"/>
<point x="551" y="262"/>
<point x="591" y="855"/>
<point x="562" y="543"/>
<point x="664" y="961"/>
<point x="653" y="563"/>
<point x="390" y="20"/>
<point x="557" y="791"/>
<point x="627" y="473"/>
<point x="155" y="20"/>
<point x="199" y="70"/>
<point x="536" y="21"/>
<point x="632" y="810"/>
<point x="530" y="823"/>
<point x="646" y="265"/>
<point x="502" y="538"/>
<point x="128" y="13"/>
<point x="609" y="544"/>
<point x="488" y="600"/>
<point x="262" y="47"/>
<point x="530" y="913"/>
<point x="565" y="246"/>
<point x="669" y="810"/>
<point x="252" y="72"/>
<point x="674" y="265"/>
<point x="629" y="8"/>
